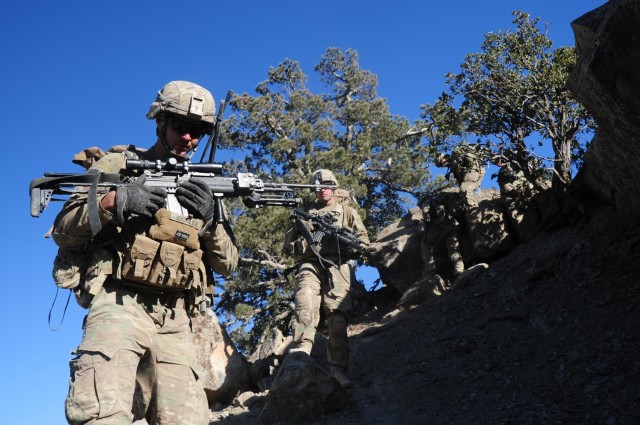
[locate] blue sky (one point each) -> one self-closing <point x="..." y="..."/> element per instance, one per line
<point x="83" y="73"/>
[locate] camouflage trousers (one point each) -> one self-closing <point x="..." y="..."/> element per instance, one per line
<point x="452" y="246"/>
<point x="121" y="329"/>
<point x="328" y="289"/>
<point x="471" y="181"/>
<point x="443" y="236"/>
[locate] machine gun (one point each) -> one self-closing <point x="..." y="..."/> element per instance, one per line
<point x="167" y="175"/>
<point x="324" y="225"/>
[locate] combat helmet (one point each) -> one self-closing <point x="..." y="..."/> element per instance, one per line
<point x="323" y="176"/>
<point x="186" y="99"/>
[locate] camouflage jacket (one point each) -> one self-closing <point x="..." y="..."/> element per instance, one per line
<point x="346" y="217"/>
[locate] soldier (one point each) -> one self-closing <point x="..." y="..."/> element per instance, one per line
<point x="467" y="165"/>
<point x="324" y="278"/>
<point x="142" y="281"/>
<point x="426" y="248"/>
<point x="442" y="231"/>
<point x="522" y="199"/>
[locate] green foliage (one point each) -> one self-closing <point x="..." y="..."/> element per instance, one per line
<point x="288" y="132"/>
<point x="507" y="97"/>
<point x="257" y="296"/>
<point x="510" y="94"/>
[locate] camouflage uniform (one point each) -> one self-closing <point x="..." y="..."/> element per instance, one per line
<point x="467" y="166"/>
<point x="443" y="229"/>
<point x="135" y="333"/>
<point x="327" y="287"/>
<point x="343" y="197"/>
<point x="426" y="245"/>
<point x="522" y="201"/>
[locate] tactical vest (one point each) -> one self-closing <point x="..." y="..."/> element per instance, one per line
<point x="162" y="253"/>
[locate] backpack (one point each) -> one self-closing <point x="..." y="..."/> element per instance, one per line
<point x="85" y="269"/>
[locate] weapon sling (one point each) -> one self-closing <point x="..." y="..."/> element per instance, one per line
<point x="312" y="242"/>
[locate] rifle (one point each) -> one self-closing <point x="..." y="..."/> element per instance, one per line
<point x="168" y="175"/>
<point x="324" y="225"/>
<point x="214" y="137"/>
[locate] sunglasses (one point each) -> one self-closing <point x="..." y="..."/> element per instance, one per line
<point x="182" y="127"/>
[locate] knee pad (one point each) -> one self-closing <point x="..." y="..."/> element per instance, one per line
<point x="306" y="305"/>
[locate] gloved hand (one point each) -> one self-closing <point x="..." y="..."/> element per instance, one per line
<point x="134" y="198"/>
<point x="197" y="198"/>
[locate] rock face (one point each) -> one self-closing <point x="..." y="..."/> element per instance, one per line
<point x="606" y="80"/>
<point x="302" y="391"/>
<point x="485" y="235"/>
<point x="397" y="251"/>
<point x="547" y="334"/>
<point x="226" y="372"/>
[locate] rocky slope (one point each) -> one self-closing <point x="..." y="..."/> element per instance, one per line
<point x="548" y="334"/>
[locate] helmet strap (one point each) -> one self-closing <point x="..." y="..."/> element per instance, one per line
<point x="161" y="131"/>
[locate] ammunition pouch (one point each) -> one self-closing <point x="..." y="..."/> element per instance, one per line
<point x="82" y="270"/>
<point x="100" y="267"/>
<point x="299" y="249"/>
<point x="161" y="264"/>
<point x="167" y="256"/>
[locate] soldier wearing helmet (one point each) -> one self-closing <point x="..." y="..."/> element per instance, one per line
<point x="184" y="109"/>
<point x="443" y="217"/>
<point x="324" y="276"/>
<point x="323" y="176"/>
<point x="141" y="284"/>
<point x="467" y="165"/>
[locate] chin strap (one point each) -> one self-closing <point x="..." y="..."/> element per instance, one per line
<point x="161" y="131"/>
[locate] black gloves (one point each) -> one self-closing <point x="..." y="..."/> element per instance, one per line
<point x="134" y="198"/>
<point x="197" y="198"/>
<point x="194" y="195"/>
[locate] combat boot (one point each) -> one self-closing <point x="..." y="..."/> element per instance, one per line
<point x="339" y="375"/>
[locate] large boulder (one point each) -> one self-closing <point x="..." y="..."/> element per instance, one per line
<point x="606" y="80"/>
<point x="265" y="360"/>
<point x="226" y="372"/>
<point x="486" y="228"/>
<point x="397" y="251"/>
<point x="302" y="391"/>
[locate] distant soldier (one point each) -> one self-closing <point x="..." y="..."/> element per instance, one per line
<point x="522" y="201"/>
<point x="325" y="275"/>
<point x="426" y="247"/>
<point x="467" y="165"/>
<point x="359" y="295"/>
<point x="444" y="210"/>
